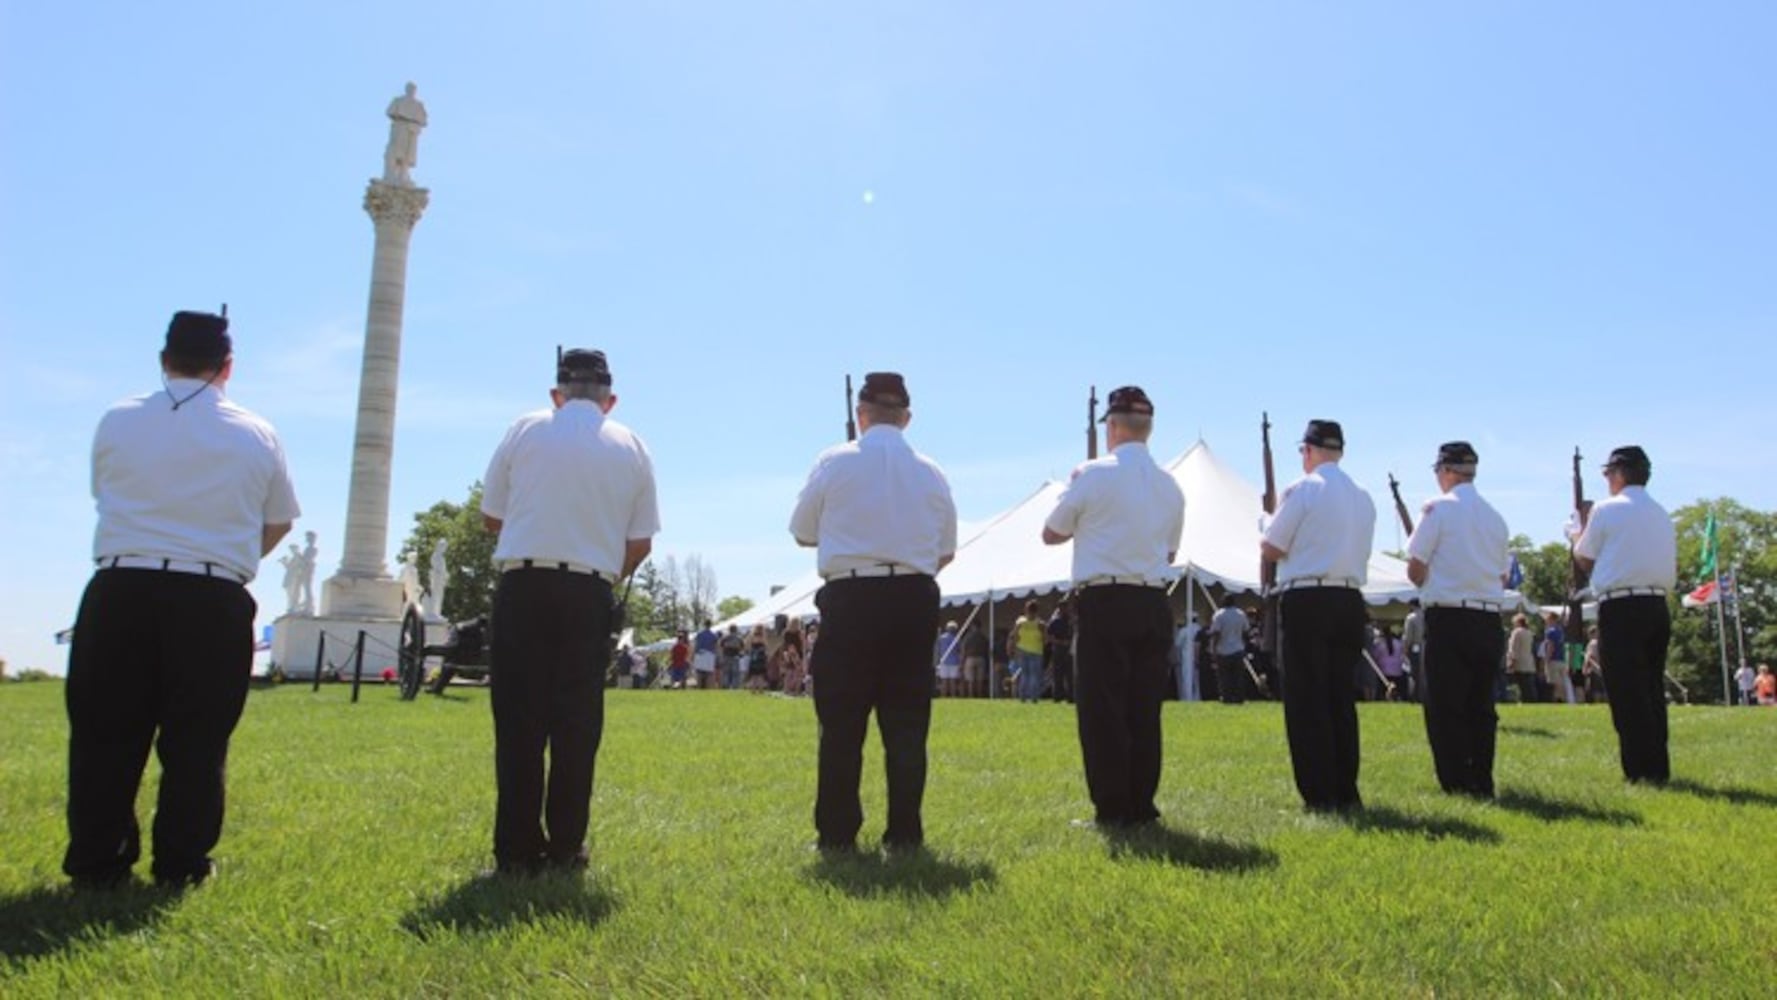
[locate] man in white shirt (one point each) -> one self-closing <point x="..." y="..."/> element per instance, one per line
<point x="571" y="495"/>
<point x="1227" y="631"/>
<point x="1125" y="516"/>
<point x="1631" y="550"/>
<point x="883" y="522"/>
<point x="1320" y="539"/>
<point x="1459" y="560"/>
<point x="192" y="492"/>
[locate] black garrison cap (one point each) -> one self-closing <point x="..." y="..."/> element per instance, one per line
<point x="1629" y="457"/>
<point x="581" y="365"/>
<point x="198" y="336"/>
<point x="886" y="389"/>
<point x="1456" y="453"/>
<point x="1325" y="434"/>
<point x="1128" y="399"/>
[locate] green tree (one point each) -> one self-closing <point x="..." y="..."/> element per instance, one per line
<point x="469" y="559"/>
<point x="1747" y="542"/>
<point x="731" y="606"/>
<point x="1545" y="569"/>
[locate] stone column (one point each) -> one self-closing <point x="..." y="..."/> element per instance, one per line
<point x="363" y="587"/>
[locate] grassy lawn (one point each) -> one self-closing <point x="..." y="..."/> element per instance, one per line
<point x="355" y="835"/>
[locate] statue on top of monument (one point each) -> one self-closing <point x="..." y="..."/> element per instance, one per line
<point x="440" y="578"/>
<point x="408" y="575"/>
<point x="406" y="117"/>
<point x="310" y="556"/>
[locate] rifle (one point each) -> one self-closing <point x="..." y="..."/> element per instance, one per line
<point x="1267" y="568"/>
<point x="851" y="421"/>
<point x="1092" y="423"/>
<point x="1400" y="506"/>
<point x="1577" y="578"/>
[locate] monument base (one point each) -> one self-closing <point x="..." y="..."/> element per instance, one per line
<point x="297" y="641"/>
<point x="374" y="598"/>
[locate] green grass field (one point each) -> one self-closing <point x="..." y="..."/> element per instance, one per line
<point x="355" y="835"/>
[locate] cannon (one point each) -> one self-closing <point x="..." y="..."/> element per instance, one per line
<point x="463" y="653"/>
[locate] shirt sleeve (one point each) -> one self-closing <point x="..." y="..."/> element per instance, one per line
<point x="644" y="517"/>
<point x="496" y="485"/>
<point x="1175" y="532"/>
<point x="280" y="495"/>
<point x="1424" y="542"/>
<point x="1291" y="508"/>
<point x="1065" y="518"/>
<point x="947" y="517"/>
<point x="1591" y="541"/>
<point x="805" y="520"/>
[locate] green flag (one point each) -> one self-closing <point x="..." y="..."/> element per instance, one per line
<point x="1707" y="573"/>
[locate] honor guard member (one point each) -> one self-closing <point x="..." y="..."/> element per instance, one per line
<point x="1631" y="550"/>
<point x="1125" y="516"/>
<point x="882" y="519"/>
<point x="570" y="493"/>
<point x="1320" y="539"/>
<point x="192" y="491"/>
<point x="1458" y="559"/>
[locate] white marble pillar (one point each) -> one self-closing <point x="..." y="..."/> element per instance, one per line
<point x="363" y="587"/>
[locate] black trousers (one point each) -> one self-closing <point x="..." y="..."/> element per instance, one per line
<point x="159" y="659"/>
<point x="876" y="655"/>
<point x="1124" y="635"/>
<point x="1462" y="651"/>
<point x="1231" y="678"/>
<point x="1321" y="631"/>
<point x="1633" y="633"/>
<point x="551" y="648"/>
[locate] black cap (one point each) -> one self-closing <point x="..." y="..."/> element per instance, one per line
<point x="198" y="336"/>
<point x="581" y="365"/>
<point x="1325" y="434"/>
<point x="1128" y="399"/>
<point x="1456" y="453"/>
<point x="1629" y="457"/>
<point x="886" y="389"/>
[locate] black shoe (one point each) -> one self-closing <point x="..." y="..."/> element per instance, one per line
<point x="573" y="864"/>
<point x="186" y="879"/>
<point x="831" y="850"/>
<point x="903" y="848"/>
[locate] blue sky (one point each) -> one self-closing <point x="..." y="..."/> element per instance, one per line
<point x="1529" y="225"/>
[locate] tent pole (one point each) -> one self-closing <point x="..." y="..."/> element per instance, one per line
<point x="993" y="637"/>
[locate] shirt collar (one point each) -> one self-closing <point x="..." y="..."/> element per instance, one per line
<point x="182" y="387"/>
<point x="886" y="431"/>
<point x="1140" y="446"/>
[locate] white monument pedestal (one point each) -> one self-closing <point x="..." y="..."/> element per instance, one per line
<point x="297" y="638"/>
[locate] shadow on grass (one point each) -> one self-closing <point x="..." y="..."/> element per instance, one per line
<point x="1735" y="794"/>
<point x="1386" y="820"/>
<point x="1543" y="808"/>
<point x="488" y="903"/>
<point x="48" y="920"/>
<point x="1534" y="731"/>
<point x="1177" y="847"/>
<point x="868" y="874"/>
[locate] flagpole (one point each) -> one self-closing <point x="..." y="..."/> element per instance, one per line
<point x="1721" y="635"/>
<point x="1739" y="626"/>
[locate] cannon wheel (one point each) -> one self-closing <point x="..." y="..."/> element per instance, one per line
<point x="412" y="654"/>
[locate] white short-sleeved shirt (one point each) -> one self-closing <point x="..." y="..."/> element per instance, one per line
<point x="875" y="502"/>
<point x="1125" y="514"/>
<point x="571" y="485"/>
<point x="1326" y="524"/>
<point x="1228" y="629"/>
<point x="1463" y="542"/>
<point x="1632" y="541"/>
<point x="196" y="484"/>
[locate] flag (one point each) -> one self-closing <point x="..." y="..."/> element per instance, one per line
<point x="1515" y="575"/>
<point x="1704" y="595"/>
<point x="1709" y="550"/>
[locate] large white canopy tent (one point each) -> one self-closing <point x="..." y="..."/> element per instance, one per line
<point x="1008" y="560"/>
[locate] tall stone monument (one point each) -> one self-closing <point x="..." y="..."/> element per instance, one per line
<point x="361" y="595"/>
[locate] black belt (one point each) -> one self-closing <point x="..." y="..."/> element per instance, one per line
<point x="508" y="565"/>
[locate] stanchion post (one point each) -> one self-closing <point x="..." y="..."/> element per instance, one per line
<point x="320" y="658"/>
<point x="357" y="666"/>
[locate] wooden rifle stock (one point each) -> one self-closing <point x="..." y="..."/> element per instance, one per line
<point x="1400" y="506"/>
<point x="1267" y="568"/>
<point x="1577" y="578"/>
<point x="851" y="421"/>
<point x="1092" y="423"/>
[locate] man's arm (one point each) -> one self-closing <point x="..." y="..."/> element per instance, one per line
<point x="1053" y="537"/>
<point x="1272" y="552"/>
<point x="270" y="535"/>
<point x="1416" y="571"/>
<point x="491" y="523"/>
<point x="634" y="551"/>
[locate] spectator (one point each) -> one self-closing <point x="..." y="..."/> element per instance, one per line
<point x="1747" y="679"/>
<point x="1765" y="686"/>
<point x="733" y="649"/>
<point x="679" y="667"/>
<point x="1061" y="652"/>
<point x="1554" y="654"/>
<point x="1521" y="658"/>
<point x="975" y="652"/>
<point x="1390" y="656"/>
<point x="948" y="655"/>
<point x="757" y="668"/>
<point x="703" y="656"/>
<point x="1025" y="647"/>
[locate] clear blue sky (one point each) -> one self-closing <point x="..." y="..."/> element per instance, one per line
<point x="1530" y="225"/>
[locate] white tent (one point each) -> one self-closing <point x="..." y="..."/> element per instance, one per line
<point x="1221" y="543"/>
<point x="1007" y="558"/>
